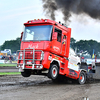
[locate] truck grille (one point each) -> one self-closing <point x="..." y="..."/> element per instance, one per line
<point x="36" y="56"/>
<point x="30" y="58"/>
<point x="31" y="54"/>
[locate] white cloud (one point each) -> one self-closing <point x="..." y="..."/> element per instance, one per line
<point x="14" y="13"/>
<point x="85" y="28"/>
<point x="12" y="19"/>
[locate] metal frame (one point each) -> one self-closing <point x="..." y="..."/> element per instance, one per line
<point x="33" y="60"/>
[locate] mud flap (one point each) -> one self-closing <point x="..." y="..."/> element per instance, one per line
<point x="89" y="75"/>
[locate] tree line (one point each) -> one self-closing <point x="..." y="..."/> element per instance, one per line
<point x="14" y="45"/>
<point x="82" y="45"/>
<point x="86" y="45"/>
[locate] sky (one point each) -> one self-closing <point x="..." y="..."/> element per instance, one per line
<point x="13" y="13"/>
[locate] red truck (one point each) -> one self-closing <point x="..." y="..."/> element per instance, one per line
<point x="45" y="50"/>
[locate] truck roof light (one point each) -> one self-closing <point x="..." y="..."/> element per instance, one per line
<point x="62" y="24"/>
<point x="29" y="21"/>
<point x="55" y="23"/>
<point x="59" y="22"/>
<point x="45" y="20"/>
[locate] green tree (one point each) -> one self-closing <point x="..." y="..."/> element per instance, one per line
<point x="72" y="43"/>
<point x="14" y="45"/>
<point x="88" y="45"/>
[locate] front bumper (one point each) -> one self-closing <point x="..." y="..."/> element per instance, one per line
<point x="30" y="59"/>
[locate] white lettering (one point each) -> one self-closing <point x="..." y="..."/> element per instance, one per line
<point x="56" y="48"/>
<point x="33" y="46"/>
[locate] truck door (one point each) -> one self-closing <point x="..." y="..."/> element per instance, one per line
<point x="56" y="43"/>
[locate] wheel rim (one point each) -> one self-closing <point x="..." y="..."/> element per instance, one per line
<point x="54" y="72"/>
<point x="82" y="78"/>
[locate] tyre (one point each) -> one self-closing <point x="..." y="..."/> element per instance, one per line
<point x="82" y="77"/>
<point x="53" y="72"/>
<point x="26" y="73"/>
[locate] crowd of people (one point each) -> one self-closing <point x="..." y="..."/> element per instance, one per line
<point x="7" y="58"/>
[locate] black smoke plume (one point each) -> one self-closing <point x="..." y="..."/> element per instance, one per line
<point x="67" y="7"/>
<point x="50" y="8"/>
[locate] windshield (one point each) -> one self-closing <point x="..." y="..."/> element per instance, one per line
<point x="37" y="33"/>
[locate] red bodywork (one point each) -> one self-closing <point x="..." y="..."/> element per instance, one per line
<point x="53" y="50"/>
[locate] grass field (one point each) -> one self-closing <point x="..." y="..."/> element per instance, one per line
<point x="9" y="73"/>
<point x="7" y="65"/>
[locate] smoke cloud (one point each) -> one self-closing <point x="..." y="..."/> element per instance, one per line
<point x="67" y="7"/>
<point x="50" y="7"/>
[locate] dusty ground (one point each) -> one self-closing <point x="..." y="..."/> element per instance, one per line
<point x="41" y="88"/>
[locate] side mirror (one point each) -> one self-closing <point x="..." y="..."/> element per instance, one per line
<point x="21" y="36"/>
<point x="54" y="36"/>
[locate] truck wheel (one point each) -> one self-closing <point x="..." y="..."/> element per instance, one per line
<point x="26" y="73"/>
<point x="53" y="72"/>
<point x="82" y="78"/>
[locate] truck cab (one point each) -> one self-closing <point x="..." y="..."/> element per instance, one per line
<point x="45" y="46"/>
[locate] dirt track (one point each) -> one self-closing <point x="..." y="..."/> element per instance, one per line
<point x="41" y="88"/>
<point x="8" y="69"/>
